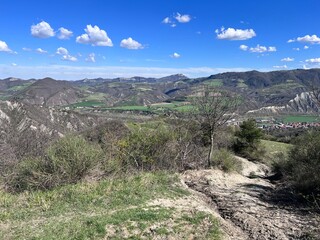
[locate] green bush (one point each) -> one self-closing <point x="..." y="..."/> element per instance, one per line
<point x="67" y="161"/>
<point x="247" y="140"/>
<point x="146" y="149"/>
<point x="225" y="160"/>
<point x="303" y="165"/>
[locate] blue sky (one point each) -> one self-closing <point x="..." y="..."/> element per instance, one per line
<point x="87" y="39"/>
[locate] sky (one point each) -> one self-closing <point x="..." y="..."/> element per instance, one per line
<point x="71" y="40"/>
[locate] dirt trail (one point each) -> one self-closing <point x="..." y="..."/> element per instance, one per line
<point x="250" y="208"/>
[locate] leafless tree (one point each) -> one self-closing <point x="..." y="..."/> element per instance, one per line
<point x="212" y="108"/>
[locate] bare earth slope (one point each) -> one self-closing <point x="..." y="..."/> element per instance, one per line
<point x="249" y="208"/>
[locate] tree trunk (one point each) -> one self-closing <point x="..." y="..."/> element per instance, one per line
<point x="210" y="150"/>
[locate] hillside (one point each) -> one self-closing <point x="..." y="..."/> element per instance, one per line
<point x="49" y="92"/>
<point x="25" y="127"/>
<point x="256" y="80"/>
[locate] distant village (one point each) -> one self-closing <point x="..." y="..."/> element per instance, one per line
<point x="272" y="123"/>
<point x="276" y="124"/>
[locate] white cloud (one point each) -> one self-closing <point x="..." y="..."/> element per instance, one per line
<point x="313" y="39"/>
<point x="287" y="59"/>
<point x="94" y="36"/>
<point x="26" y="49"/>
<point x="281" y="67"/>
<point x="313" y="60"/>
<point x="62" y="51"/>
<point x="173" y="25"/>
<point x="129" y="43"/>
<point x="65" y="55"/>
<point x="39" y="50"/>
<point x="296" y="49"/>
<point x="272" y="49"/>
<point x="64" y="33"/>
<point x="14" y="64"/>
<point x="235" y="34"/>
<point x="306" y="47"/>
<point x="167" y="20"/>
<point x="4" y="47"/>
<point x="69" y="58"/>
<point x="182" y="18"/>
<point x="42" y="30"/>
<point x="175" y="55"/>
<point x="262" y="49"/>
<point x="91" y="58"/>
<point x="244" y="47"/>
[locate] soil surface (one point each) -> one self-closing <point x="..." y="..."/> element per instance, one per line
<point x="249" y="206"/>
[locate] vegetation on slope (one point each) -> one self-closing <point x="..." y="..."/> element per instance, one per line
<point x="115" y="208"/>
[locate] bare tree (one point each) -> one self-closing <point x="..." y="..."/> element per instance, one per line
<point x="212" y="109"/>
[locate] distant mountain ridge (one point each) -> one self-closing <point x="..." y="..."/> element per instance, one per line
<point x="261" y="90"/>
<point x="256" y="79"/>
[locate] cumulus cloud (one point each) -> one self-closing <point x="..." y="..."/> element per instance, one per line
<point x="69" y="58"/>
<point x="39" y="50"/>
<point x="64" y="33"/>
<point x="129" y="43"/>
<point x="313" y="60"/>
<point x="313" y="39"/>
<point x="244" y="47"/>
<point x="4" y="47"/>
<point x="235" y="34"/>
<point x="183" y="18"/>
<point x="306" y="47"/>
<point x="94" y="36"/>
<point x="65" y="55"/>
<point x="281" y="67"/>
<point x="175" y="55"/>
<point x="42" y="30"/>
<point x="91" y="58"/>
<point x="287" y="59"/>
<point x="62" y="51"/>
<point x="258" y="49"/>
<point x="296" y="49"/>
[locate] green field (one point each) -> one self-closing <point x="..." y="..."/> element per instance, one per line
<point x="118" y="208"/>
<point x="300" y="118"/>
<point x="281" y="87"/>
<point x="241" y="84"/>
<point x="175" y="105"/>
<point x="86" y="104"/>
<point x="20" y="87"/>
<point x="214" y="83"/>
<point x="130" y="108"/>
<point x="273" y="149"/>
<point x="96" y="97"/>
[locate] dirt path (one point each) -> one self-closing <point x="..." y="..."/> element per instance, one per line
<point x="249" y="208"/>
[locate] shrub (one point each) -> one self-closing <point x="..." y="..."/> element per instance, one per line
<point x="156" y="147"/>
<point x="72" y="157"/>
<point x="247" y="141"/>
<point x="67" y="161"/>
<point x="303" y="165"/>
<point x="225" y="160"/>
<point x="146" y="149"/>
